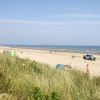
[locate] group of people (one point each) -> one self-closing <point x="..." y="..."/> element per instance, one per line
<point x="51" y="51"/>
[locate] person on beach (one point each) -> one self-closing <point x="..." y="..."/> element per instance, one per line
<point x="87" y="68"/>
<point x="50" y="52"/>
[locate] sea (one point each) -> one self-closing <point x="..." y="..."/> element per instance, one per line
<point x="63" y="48"/>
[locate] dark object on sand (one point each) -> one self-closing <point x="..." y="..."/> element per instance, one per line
<point x="73" y="56"/>
<point x="5" y="51"/>
<point x="89" y="57"/>
<point x="68" y="66"/>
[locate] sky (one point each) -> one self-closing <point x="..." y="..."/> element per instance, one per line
<point x="50" y="22"/>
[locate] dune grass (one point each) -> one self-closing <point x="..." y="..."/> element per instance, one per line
<point x="22" y="79"/>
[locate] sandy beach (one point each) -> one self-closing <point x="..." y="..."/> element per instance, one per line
<point x="75" y="60"/>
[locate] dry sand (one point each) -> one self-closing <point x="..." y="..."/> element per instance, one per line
<point x="45" y="56"/>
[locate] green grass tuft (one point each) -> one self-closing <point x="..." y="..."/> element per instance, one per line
<point x="22" y="79"/>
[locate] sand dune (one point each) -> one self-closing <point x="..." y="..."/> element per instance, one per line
<point x="68" y="58"/>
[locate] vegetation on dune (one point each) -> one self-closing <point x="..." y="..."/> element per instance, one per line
<point x="22" y="79"/>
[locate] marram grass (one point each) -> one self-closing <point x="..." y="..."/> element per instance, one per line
<point x="22" y="79"/>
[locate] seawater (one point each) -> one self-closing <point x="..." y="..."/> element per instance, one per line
<point x="64" y="48"/>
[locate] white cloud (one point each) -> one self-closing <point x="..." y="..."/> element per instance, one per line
<point x="46" y="31"/>
<point x="66" y="22"/>
<point x="77" y="15"/>
<point x="15" y="21"/>
<point x="20" y="26"/>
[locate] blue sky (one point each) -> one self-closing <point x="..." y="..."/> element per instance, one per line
<point x="39" y="22"/>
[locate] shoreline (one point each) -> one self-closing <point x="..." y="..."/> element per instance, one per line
<point x="54" y="50"/>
